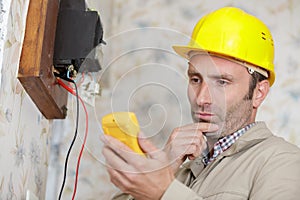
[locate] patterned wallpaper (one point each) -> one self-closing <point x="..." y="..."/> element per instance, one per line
<point x="24" y="133"/>
<point x="4" y="8"/>
<point x="141" y="73"/>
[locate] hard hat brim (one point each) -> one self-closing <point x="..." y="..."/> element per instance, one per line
<point x="184" y="51"/>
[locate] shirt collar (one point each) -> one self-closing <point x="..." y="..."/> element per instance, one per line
<point x="224" y="143"/>
<point x="259" y="132"/>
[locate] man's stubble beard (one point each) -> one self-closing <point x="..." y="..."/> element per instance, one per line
<point x="236" y="117"/>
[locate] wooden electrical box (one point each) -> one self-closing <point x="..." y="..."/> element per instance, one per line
<point x="35" y="70"/>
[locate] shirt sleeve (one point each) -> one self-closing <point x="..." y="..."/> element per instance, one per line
<point x="177" y="190"/>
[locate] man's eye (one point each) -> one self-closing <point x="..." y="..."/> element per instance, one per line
<point x="222" y="82"/>
<point x="195" y="80"/>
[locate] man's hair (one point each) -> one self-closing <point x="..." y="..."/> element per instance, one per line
<point x="256" y="78"/>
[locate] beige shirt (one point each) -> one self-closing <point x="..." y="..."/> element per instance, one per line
<point x="257" y="166"/>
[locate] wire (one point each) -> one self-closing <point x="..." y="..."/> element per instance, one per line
<point x="60" y="82"/>
<point x="82" y="148"/>
<point x="73" y="141"/>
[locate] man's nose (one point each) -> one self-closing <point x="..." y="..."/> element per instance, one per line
<point x="204" y="96"/>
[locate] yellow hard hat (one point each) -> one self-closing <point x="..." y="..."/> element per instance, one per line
<point x="233" y="33"/>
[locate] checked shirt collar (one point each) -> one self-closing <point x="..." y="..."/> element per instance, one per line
<point x="224" y="143"/>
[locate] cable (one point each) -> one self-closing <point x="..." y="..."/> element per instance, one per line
<point x="85" y="135"/>
<point x="74" y="138"/>
<point x="82" y="148"/>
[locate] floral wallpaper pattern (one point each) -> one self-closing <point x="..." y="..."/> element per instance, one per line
<point x="24" y="132"/>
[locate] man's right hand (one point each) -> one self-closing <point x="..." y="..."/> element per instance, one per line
<point x="187" y="142"/>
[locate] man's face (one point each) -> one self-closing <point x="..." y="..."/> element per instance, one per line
<point x="217" y="91"/>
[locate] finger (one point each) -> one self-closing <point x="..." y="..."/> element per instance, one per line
<point x="185" y="135"/>
<point x="195" y="128"/>
<point x="125" y="152"/>
<point x="186" y="146"/>
<point x="115" y="161"/>
<point x="199" y="150"/>
<point x="185" y="140"/>
<point x="194" y="152"/>
<point x="118" y="179"/>
<point x="116" y="144"/>
<point x="117" y="154"/>
<point x="202" y="126"/>
<point x="191" y="150"/>
<point x="149" y="148"/>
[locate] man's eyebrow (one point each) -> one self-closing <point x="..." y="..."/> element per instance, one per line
<point x="221" y="76"/>
<point x="192" y="71"/>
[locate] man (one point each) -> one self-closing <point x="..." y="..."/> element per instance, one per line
<point x="231" y="155"/>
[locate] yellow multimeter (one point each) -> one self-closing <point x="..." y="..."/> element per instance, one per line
<point x="124" y="127"/>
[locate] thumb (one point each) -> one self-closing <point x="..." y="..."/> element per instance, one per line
<point x="148" y="147"/>
<point x="145" y="144"/>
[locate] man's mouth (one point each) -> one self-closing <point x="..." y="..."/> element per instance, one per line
<point x="203" y="116"/>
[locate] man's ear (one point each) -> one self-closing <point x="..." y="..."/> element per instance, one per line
<point x="260" y="92"/>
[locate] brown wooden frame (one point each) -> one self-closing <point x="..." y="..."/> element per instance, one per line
<point x="35" y="70"/>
